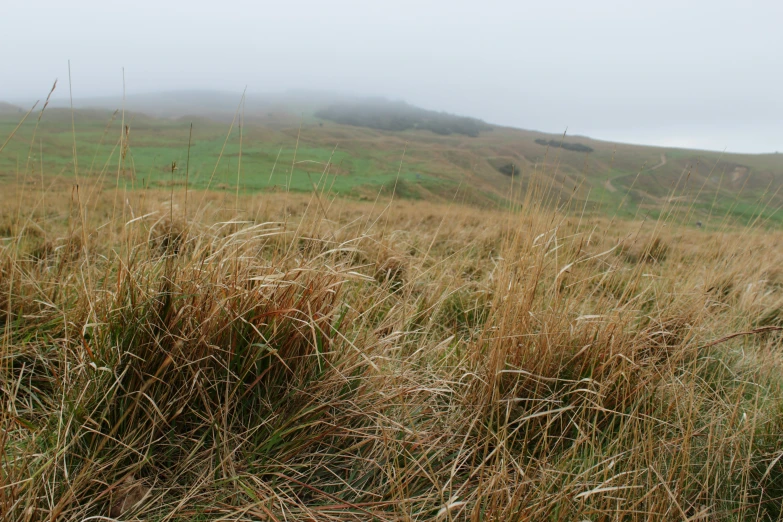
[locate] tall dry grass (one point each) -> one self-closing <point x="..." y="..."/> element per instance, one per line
<point x="307" y="358"/>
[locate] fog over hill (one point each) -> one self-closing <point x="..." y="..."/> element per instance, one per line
<point x="172" y="104"/>
<point x="372" y="112"/>
<point x="8" y="108"/>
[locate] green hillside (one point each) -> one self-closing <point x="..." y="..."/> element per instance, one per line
<point x="286" y="146"/>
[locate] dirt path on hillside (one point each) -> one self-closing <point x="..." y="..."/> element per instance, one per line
<point x="611" y="188"/>
<point x="661" y="164"/>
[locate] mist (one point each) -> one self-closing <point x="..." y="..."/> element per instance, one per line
<point x="701" y="74"/>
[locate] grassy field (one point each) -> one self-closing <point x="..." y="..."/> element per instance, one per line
<point x="232" y="354"/>
<point x="277" y="151"/>
<point x="152" y="145"/>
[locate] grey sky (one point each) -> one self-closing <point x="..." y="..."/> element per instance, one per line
<point x="699" y="73"/>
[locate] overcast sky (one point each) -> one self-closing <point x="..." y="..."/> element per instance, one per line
<point x="691" y="73"/>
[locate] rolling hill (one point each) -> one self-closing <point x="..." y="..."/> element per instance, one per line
<point x="288" y="140"/>
<point x="8" y="108"/>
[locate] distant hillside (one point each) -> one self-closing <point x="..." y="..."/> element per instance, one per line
<point x="288" y="106"/>
<point x="399" y="116"/>
<point x="218" y="105"/>
<point x="290" y="140"/>
<point x="7" y="108"/>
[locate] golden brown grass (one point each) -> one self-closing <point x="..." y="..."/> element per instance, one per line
<point x="307" y="358"/>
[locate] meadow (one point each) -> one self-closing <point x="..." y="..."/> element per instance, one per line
<point x="276" y="148"/>
<point x="176" y="353"/>
<point x="154" y="152"/>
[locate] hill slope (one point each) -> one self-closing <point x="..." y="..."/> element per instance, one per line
<point x="7" y="108"/>
<point x="286" y="146"/>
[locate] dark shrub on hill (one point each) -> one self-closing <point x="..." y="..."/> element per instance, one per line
<point x="399" y="116"/>
<point x="509" y="169"/>
<point x="575" y="147"/>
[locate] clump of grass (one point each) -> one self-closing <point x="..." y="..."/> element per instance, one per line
<point x="166" y="236"/>
<point x="63" y="250"/>
<point x="772" y="316"/>
<point x="645" y="250"/>
<point x="391" y="270"/>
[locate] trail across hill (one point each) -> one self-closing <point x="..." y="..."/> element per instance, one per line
<point x="661" y="164"/>
<point x="611" y="188"/>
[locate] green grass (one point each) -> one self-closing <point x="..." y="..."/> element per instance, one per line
<point x="154" y="145"/>
<point x="363" y="161"/>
